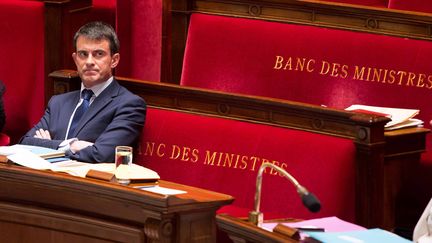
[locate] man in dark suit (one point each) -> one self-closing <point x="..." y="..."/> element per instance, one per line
<point x="90" y="123"/>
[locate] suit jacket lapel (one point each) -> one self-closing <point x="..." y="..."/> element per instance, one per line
<point x="98" y="104"/>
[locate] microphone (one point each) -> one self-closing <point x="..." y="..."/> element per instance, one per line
<point x="309" y="199"/>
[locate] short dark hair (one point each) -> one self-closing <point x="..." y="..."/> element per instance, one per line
<point x="98" y="31"/>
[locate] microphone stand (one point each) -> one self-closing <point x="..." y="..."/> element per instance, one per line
<point x="310" y="201"/>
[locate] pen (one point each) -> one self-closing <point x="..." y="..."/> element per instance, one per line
<point x="314" y="229"/>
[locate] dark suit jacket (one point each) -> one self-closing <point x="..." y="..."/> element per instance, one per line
<point x="2" y="110"/>
<point x="115" y="117"/>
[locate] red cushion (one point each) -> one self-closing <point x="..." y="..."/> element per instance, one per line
<point x="22" y="64"/>
<point x="176" y="145"/>
<point x="240" y="55"/>
<point x="4" y="139"/>
<point x="249" y="56"/>
<point x="411" y="5"/>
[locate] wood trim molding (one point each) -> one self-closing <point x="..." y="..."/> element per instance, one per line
<point x="326" y="14"/>
<point x="365" y="129"/>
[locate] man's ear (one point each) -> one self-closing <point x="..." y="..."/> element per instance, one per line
<point x="115" y="60"/>
<point x="74" y="56"/>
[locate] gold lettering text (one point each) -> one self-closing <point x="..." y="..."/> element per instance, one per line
<point x="358" y="73"/>
<point x="278" y="64"/>
<point x="411" y="77"/>
<point x="176" y="151"/>
<point x="209" y="158"/>
<point x="420" y="80"/>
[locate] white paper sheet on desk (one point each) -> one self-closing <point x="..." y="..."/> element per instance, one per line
<point x="9" y="150"/>
<point x="329" y="224"/>
<point x="71" y="167"/>
<point x="40" y="151"/>
<point x="29" y="159"/>
<point x="397" y="115"/>
<point x="81" y="169"/>
<point x="162" y="190"/>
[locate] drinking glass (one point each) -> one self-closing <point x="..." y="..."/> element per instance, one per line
<point x="123" y="162"/>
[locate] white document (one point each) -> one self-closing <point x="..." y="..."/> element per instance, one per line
<point x="72" y="167"/>
<point x="412" y="122"/>
<point x="397" y="115"/>
<point x="162" y="190"/>
<point x="29" y="159"/>
<point x="22" y="156"/>
<point x="40" y="151"/>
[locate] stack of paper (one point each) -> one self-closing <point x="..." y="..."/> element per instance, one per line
<point x="400" y="118"/>
<point x="30" y="156"/>
<point x="134" y="172"/>
<point x="360" y="236"/>
<point x="45" y="153"/>
<point x="327" y="224"/>
<point x="335" y="230"/>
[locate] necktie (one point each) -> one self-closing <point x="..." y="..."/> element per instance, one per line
<point x="86" y="95"/>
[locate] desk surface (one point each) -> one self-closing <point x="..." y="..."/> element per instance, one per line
<point x="242" y="231"/>
<point x="44" y="203"/>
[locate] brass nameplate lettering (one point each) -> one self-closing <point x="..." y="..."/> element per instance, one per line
<point x="327" y="68"/>
<point x="193" y="156"/>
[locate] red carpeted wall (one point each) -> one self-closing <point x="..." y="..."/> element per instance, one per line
<point x="22" y="64"/>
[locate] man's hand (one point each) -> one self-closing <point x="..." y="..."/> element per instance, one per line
<point x="78" y="145"/>
<point x="44" y="134"/>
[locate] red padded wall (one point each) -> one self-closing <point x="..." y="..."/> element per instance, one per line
<point x="22" y="64"/>
<point x="139" y="26"/>
<point x="180" y="142"/>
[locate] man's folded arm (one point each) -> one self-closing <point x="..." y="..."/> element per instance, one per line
<point x="54" y="144"/>
<point x="29" y="138"/>
<point x="124" y="129"/>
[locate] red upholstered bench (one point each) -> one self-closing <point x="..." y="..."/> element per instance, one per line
<point x="22" y="64"/>
<point x="315" y="65"/>
<point x="321" y="66"/>
<point x="217" y="140"/>
<point x="224" y="155"/>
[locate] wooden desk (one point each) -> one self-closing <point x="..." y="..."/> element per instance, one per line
<point x="242" y="231"/>
<point x="42" y="206"/>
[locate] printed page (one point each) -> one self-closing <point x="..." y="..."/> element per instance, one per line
<point x="397" y="115"/>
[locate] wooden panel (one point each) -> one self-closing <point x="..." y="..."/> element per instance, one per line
<point x="241" y="231"/>
<point x="57" y="36"/>
<point x="42" y="206"/>
<point x="32" y="224"/>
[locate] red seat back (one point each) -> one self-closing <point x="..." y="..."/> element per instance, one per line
<point x="336" y="68"/>
<point x="224" y="155"/>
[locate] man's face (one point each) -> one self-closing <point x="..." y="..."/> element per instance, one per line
<point x="94" y="60"/>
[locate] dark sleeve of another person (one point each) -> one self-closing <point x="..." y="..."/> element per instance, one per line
<point x="2" y="111"/>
